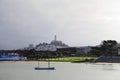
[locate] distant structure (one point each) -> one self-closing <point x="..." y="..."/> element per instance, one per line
<point x="52" y="46"/>
<point x="83" y="50"/>
<point x="45" y="47"/>
<point x="31" y="46"/>
<point x="55" y="37"/>
<point x="118" y="48"/>
<point x="11" y="56"/>
<point x="58" y="44"/>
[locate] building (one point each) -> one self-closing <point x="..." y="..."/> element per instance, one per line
<point x="11" y="56"/>
<point x="45" y="47"/>
<point x="31" y="46"/>
<point x="58" y="44"/>
<point x="52" y="46"/>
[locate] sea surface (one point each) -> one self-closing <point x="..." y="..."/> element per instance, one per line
<point x="64" y="71"/>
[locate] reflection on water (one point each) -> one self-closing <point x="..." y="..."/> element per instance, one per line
<point x="64" y="71"/>
<point x="108" y="66"/>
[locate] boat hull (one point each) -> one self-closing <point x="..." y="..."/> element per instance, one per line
<point x="47" y="68"/>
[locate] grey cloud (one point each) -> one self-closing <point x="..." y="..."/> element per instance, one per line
<point x="75" y="22"/>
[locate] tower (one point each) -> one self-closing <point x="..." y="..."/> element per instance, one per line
<point x="55" y="37"/>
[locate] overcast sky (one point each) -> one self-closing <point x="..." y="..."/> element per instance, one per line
<point x="75" y="22"/>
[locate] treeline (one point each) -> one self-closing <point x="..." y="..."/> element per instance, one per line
<point x="106" y="48"/>
<point x="35" y="55"/>
<point x="32" y="54"/>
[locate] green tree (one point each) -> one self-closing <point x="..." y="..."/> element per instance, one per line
<point x="106" y="48"/>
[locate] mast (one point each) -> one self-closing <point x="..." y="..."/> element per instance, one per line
<point x="48" y="60"/>
<point x="48" y="64"/>
<point x="38" y="61"/>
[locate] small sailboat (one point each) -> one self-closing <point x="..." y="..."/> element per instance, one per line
<point x="45" y="68"/>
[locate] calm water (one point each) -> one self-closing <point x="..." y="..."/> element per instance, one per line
<point x="64" y="71"/>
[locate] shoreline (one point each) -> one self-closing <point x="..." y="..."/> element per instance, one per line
<point x="33" y="61"/>
<point x="57" y="62"/>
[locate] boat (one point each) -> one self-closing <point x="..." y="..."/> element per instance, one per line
<point x="45" y="68"/>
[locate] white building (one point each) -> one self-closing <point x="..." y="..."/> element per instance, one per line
<point x="51" y="46"/>
<point x="58" y="44"/>
<point x="11" y="56"/>
<point x="45" y="47"/>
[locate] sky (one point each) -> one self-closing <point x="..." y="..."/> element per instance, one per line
<point x="75" y="22"/>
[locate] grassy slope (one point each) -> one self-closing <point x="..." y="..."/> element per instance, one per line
<point x="72" y="59"/>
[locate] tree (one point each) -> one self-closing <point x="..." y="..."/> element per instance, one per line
<point x="106" y="48"/>
<point x="96" y="51"/>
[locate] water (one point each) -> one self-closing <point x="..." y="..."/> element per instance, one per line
<point x="64" y="71"/>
